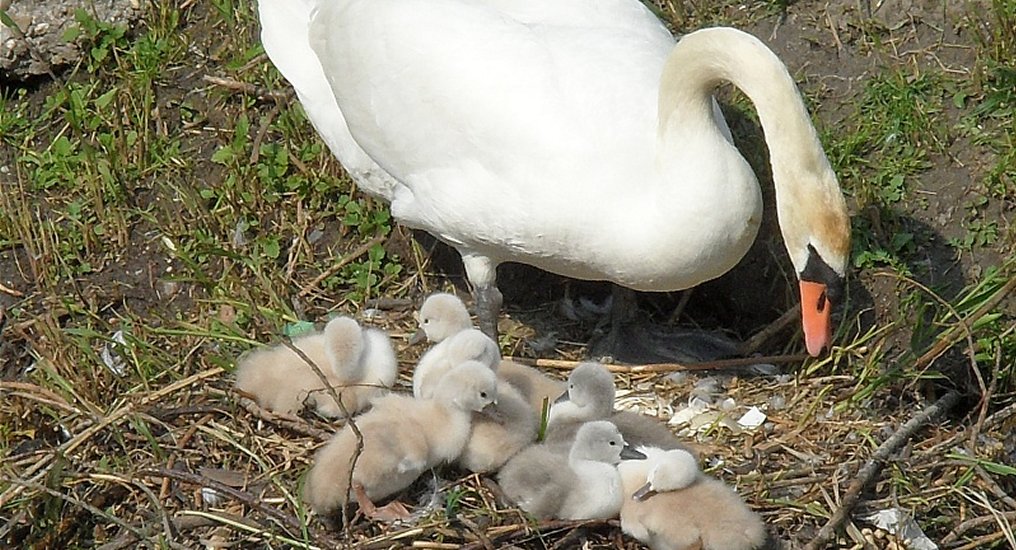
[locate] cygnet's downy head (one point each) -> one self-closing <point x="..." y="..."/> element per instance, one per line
<point x="472" y="345"/>
<point x="471" y="386"/>
<point x="441" y="316"/>
<point x="590" y="395"/>
<point x="673" y="470"/>
<point x="601" y="441"/>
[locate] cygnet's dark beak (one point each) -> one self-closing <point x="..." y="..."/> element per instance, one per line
<point x="417" y="337"/>
<point x="644" y="492"/>
<point x="492" y="412"/>
<point x="563" y="398"/>
<point x="629" y="453"/>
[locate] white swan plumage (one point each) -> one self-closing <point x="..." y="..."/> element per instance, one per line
<point x="569" y="135"/>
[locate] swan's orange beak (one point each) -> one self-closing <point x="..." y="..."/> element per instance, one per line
<point x="815" y="316"/>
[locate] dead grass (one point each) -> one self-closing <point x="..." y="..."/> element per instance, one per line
<point x="199" y="216"/>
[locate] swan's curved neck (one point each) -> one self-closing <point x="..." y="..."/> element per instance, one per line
<point x="809" y="201"/>
<point x="704" y="59"/>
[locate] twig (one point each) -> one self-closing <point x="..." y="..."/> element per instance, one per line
<point x="244" y="87"/>
<point x="360" y="251"/>
<point x="990" y="422"/>
<point x="169" y="528"/>
<point x="664" y="367"/>
<point x="286" y="421"/>
<point x="518" y="529"/>
<point x="982" y="542"/>
<point x="473" y="528"/>
<point x="994" y="487"/>
<point x="951" y="336"/>
<point x="113" y="418"/>
<point x="964" y="323"/>
<point x="250" y="500"/>
<point x="76" y="502"/>
<point x="873" y="466"/>
<point x="982" y="413"/>
<point x="13" y="292"/>
<point x="761" y="337"/>
<point x="346" y="524"/>
<point x="975" y="523"/>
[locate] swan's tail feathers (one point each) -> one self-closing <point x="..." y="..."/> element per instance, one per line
<point x="285" y="34"/>
<point x="284" y="25"/>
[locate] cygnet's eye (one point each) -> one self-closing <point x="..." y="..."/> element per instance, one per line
<point x="613" y="443"/>
<point x="426" y="321"/>
<point x="483" y="394"/>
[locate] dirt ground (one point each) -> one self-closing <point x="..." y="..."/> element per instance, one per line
<point x="203" y="264"/>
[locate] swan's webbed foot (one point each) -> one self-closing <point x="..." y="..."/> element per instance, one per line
<point x="393" y="511"/>
<point x="631" y="340"/>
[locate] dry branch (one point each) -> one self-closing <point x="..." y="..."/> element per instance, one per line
<point x="250" y="500"/>
<point x="873" y="466"/>
<point x="508" y="532"/>
<point x="286" y="421"/>
<point x="664" y="367"/>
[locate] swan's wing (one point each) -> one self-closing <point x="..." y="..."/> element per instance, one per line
<point x="463" y="100"/>
<point x="284" y="26"/>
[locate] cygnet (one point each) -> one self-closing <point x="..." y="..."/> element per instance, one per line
<point x="506" y="428"/>
<point x="358" y="363"/>
<point x="590" y="396"/>
<point x="402" y="438"/>
<point x="582" y="484"/>
<point x="670" y="504"/>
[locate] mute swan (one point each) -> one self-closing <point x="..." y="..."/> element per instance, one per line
<point x="359" y="363"/>
<point x="670" y="505"/>
<point x="576" y="138"/>
<point x="582" y="484"/>
<point x="590" y="396"/>
<point x="402" y="438"/>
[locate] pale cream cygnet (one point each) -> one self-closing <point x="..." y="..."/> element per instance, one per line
<point x="670" y="504"/>
<point x="358" y="363"/>
<point x="403" y="437"/>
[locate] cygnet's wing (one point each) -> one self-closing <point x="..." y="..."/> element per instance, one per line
<point x="640" y="430"/>
<point x="538" y="480"/>
<point x="279" y="379"/>
<point x="531" y="383"/>
<point x="500" y="433"/>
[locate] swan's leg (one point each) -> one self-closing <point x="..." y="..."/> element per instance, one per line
<point x="624" y="307"/>
<point x="482" y="274"/>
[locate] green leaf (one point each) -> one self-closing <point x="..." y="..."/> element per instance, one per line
<point x="224" y="155"/>
<point x="71" y="34"/>
<point x="960" y="100"/>
<point x="105" y="99"/>
<point x="293" y="330"/>
<point x="6" y="20"/>
<point x="272" y="248"/>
